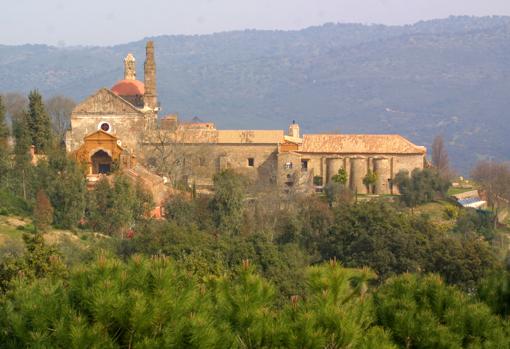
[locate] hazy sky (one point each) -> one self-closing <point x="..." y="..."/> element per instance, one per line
<point x="105" y="22"/>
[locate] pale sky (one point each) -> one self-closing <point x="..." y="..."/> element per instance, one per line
<point x="108" y="22"/>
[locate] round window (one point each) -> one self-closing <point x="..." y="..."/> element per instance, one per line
<point x="105" y="127"/>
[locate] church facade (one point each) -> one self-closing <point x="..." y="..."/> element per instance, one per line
<point x="120" y="127"/>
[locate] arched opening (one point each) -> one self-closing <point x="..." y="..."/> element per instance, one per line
<point x="101" y="162"/>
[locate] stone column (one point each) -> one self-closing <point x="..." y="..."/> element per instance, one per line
<point x="332" y="167"/>
<point x="383" y="171"/>
<point x="358" y="172"/>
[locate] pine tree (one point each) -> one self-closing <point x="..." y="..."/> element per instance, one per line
<point x="39" y="123"/>
<point x="43" y="211"/>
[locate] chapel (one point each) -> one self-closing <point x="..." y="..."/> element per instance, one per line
<point x="120" y="128"/>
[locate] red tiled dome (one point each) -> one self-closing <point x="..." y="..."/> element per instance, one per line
<point x="128" y="88"/>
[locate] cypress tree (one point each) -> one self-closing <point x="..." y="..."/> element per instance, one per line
<point x="43" y="211"/>
<point x="66" y="189"/>
<point x="4" y="152"/>
<point x="39" y="123"/>
<point x="227" y="203"/>
<point x="22" y="165"/>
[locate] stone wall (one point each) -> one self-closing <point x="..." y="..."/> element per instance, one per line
<point x="386" y="167"/>
<point x="128" y="129"/>
<point x="203" y="161"/>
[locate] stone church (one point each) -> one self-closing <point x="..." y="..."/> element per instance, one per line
<point x="120" y="127"/>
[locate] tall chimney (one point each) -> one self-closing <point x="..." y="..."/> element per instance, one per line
<point x="150" y="97"/>
<point x="129" y="67"/>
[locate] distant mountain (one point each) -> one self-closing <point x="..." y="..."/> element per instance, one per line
<point x="448" y="76"/>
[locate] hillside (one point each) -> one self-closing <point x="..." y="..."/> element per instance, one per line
<point x="445" y="76"/>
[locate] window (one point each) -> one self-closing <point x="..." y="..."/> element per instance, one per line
<point x="304" y="165"/>
<point x="201" y="161"/>
<point x="104" y="126"/>
<point x="288" y="165"/>
<point x="251" y="162"/>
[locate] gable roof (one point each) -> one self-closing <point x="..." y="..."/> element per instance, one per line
<point x="104" y="101"/>
<point x="100" y="135"/>
<point x="251" y="136"/>
<point x="359" y="144"/>
<point x="212" y="136"/>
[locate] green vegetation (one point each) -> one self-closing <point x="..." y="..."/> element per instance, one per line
<point x="264" y="270"/>
<point x="114" y="208"/>
<point x="39" y="124"/>
<point x="43" y="211"/>
<point x="454" y="191"/>
<point x="422" y="312"/>
<point x="421" y="186"/>
<point x="369" y="181"/>
<point x="226" y="205"/>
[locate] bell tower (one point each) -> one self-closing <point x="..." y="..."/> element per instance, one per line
<point x="294" y="129"/>
<point x="129" y="67"/>
<point x="150" y="97"/>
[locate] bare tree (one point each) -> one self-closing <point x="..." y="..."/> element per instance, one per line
<point x="440" y="156"/>
<point x="15" y="104"/>
<point x="167" y="153"/>
<point x="60" y="108"/>
<point x="494" y="179"/>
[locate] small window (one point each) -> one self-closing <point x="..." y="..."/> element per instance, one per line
<point x="251" y="162"/>
<point x="288" y="165"/>
<point x="105" y="127"/>
<point x="304" y="165"/>
<point x="201" y="161"/>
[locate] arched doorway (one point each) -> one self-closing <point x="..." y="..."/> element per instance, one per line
<point x="101" y="162"/>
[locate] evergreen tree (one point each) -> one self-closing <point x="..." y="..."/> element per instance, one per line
<point x="38" y="260"/>
<point x="99" y="205"/>
<point x="495" y="291"/>
<point x="67" y="189"/>
<point x="43" y="211"/>
<point x="421" y="187"/>
<point x="4" y="146"/>
<point x="123" y="206"/>
<point x="22" y="160"/>
<point x="143" y="202"/>
<point x="227" y="203"/>
<point x="115" y="208"/>
<point x="422" y="312"/>
<point x="153" y="303"/>
<point x="39" y="123"/>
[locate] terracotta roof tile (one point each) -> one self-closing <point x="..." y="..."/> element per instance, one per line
<point x="360" y="144"/>
<point x="128" y="88"/>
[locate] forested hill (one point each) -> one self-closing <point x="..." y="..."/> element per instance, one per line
<point x="448" y="76"/>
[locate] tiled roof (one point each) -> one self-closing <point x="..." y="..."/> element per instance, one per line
<point x="359" y="144"/>
<point x="128" y="88"/>
<point x="250" y="136"/>
<point x="206" y="135"/>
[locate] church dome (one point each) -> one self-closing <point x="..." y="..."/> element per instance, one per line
<point x="128" y="88"/>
